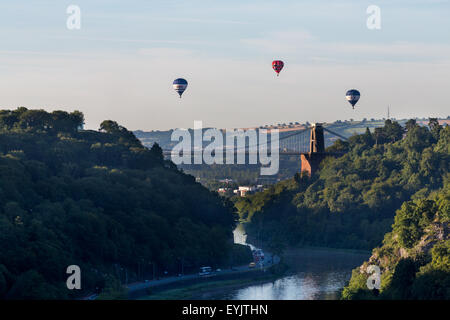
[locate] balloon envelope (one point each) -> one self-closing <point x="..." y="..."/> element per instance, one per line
<point x="352" y="96"/>
<point x="277" y="65"/>
<point x="179" y="85"/>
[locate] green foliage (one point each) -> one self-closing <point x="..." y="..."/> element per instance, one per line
<point x="411" y="220"/>
<point x="441" y="256"/>
<point x="241" y="254"/>
<point x="415" y="256"/>
<point x="99" y="200"/>
<point x="357" y="288"/>
<point x="32" y="285"/>
<point x="432" y="285"/>
<point x="113" y="290"/>
<point x="352" y="200"/>
<point x="402" y="279"/>
<point x="22" y="119"/>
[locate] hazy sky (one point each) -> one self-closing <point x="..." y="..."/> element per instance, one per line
<point x="121" y="64"/>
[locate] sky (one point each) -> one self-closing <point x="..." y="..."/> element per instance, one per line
<point x="121" y="63"/>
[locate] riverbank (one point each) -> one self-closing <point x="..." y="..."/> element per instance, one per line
<point x="290" y="250"/>
<point x="201" y="287"/>
<point x="313" y="273"/>
<point x="293" y="250"/>
<point x="305" y="273"/>
<point x="206" y="290"/>
<point x="295" y="259"/>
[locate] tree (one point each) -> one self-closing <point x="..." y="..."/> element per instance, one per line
<point x="157" y="152"/>
<point x="34" y="120"/>
<point x="441" y="256"/>
<point x="77" y="118"/>
<point x="339" y="146"/>
<point x="8" y="119"/>
<point x="31" y="285"/>
<point x="66" y="122"/>
<point x="410" y="124"/>
<point x="418" y="138"/>
<point x="435" y="127"/>
<point x="393" y="131"/>
<point x="277" y="245"/>
<point x="407" y="224"/>
<point x="367" y="137"/>
<point x="109" y="126"/>
<point x="379" y="136"/>
<point x="402" y="280"/>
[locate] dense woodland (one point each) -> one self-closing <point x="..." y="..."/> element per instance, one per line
<point x="351" y="201"/>
<point x="415" y="256"/>
<point x="100" y="200"/>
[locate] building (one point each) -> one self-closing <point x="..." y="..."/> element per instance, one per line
<point x="244" y="190"/>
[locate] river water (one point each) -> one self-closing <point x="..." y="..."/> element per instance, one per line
<point x="315" y="274"/>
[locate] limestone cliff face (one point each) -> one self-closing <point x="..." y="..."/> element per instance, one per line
<point x="387" y="256"/>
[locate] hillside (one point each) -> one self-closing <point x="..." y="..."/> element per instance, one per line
<point x="100" y="200"/>
<point x="351" y="201"/>
<point x="415" y="256"/>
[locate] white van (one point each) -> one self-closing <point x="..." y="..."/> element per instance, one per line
<point x="205" y="271"/>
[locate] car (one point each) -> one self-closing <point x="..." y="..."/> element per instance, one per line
<point x="252" y="265"/>
<point x="205" y="271"/>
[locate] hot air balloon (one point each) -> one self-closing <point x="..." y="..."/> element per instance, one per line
<point x="352" y="97"/>
<point x="277" y="65"/>
<point x="179" y="85"/>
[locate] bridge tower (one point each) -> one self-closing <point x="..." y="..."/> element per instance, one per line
<point x="316" y="140"/>
<point x="310" y="161"/>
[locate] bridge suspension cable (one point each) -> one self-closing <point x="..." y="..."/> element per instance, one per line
<point x="293" y="143"/>
<point x="336" y="134"/>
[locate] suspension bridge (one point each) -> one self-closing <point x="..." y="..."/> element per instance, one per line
<point x="290" y="143"/>
<point x="308" y="143"/>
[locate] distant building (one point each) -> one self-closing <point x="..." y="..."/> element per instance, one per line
<point x="224" y="191"/>
<point x="245" y="190"/>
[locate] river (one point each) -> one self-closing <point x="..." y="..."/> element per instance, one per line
<point x="315" y="274"/>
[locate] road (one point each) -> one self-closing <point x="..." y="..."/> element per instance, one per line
<point x="167" y="280"/>
<point x="138" y="286"/>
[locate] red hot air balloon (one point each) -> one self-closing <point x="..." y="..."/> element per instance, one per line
<point x="277" y="65"/>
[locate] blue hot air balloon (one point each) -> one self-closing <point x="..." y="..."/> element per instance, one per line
<point x="352" y="97"/>
<point x="180" y="85"/>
